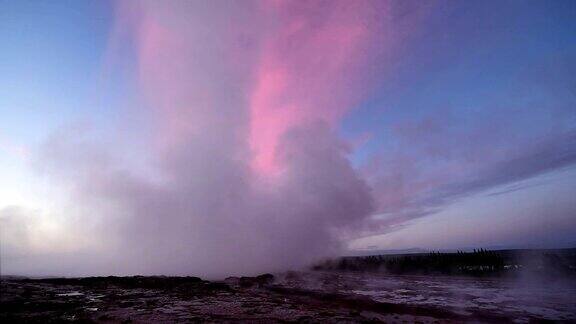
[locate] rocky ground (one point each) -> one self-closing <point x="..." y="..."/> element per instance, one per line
<point x="292" y="297"/>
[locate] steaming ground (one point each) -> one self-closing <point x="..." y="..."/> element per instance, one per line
<point x="313" y="297"/>
<point x="520" y="300"/>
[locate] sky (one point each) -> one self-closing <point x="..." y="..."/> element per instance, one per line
<point x="234" y="137"/>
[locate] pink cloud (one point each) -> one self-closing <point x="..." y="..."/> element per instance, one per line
<point x="290" y="63"/>
<point x="308" y="70"/>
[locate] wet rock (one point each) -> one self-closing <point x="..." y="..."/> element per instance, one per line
<point x="190" y="299"/>
<point x="222" y="286"/>
<point x="104" y="317"/>
<point x="258" y="281"/>
<point x="265" y="279"/>
<point x="232" y="280"/>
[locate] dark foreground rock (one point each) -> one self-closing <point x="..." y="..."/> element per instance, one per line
<point x="248" y="282"/>
<point x="261" y="299"/>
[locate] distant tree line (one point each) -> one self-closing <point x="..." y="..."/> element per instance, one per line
<point x="480" y="262"/>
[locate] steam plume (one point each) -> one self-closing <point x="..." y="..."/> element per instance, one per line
<point x="244" y="172"/>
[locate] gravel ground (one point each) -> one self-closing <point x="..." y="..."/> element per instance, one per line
<point x="292" y="297"/>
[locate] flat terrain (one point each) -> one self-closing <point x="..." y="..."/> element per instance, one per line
<point x="291" y="297"/>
